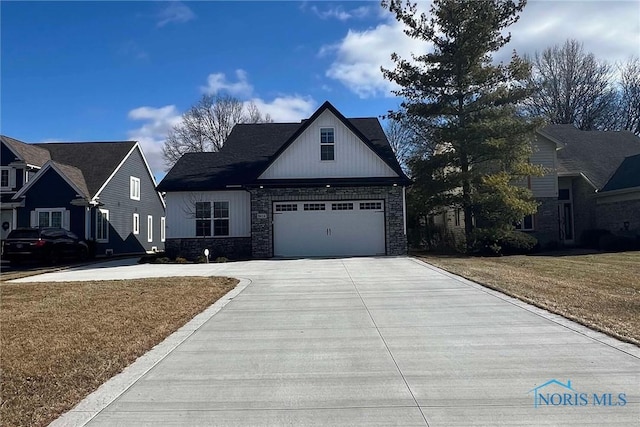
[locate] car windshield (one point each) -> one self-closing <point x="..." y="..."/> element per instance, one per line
<point x="24" y="234"/>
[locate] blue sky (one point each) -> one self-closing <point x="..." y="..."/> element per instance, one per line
<point x="85" y="71"/>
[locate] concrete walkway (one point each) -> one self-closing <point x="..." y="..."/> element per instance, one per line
<point x="373" y="341"/>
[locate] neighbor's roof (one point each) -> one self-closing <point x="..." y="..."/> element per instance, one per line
<point x="74" y="175"/>
<point x="595" y="154"/>
<point x="95" y="160"/>
<point x="626" y="176"/>
<point x="250" y="148"/>
<point x="30" y="154"/>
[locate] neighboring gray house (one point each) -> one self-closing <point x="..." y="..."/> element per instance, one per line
<point x="591" y="183"/>
<point x="102" y="191"/>
<point x="328" y="186"/>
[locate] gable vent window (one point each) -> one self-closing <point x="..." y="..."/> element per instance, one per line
<point x="314" y="207"/>
<point x="203" y="219"/>
<point x="286" y="207"/>
<point x="370" y="206"/>
<point x="341" y="206"/>
<point x="134" y="192"/>
<point x="327" y="144"/>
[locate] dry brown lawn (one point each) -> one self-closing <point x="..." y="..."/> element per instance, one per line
<point x="601" y="291"/>
<point x="60" y="341"/>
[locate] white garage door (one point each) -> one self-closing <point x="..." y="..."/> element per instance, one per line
<point x="328" y="228"/>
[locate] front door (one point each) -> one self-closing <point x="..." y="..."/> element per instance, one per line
<point x="565" y="216"/>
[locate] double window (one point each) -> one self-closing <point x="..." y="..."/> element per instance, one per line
<point x="50" y="218"/>
<point x="327" y="144"/>
<point x="205" y="215"/>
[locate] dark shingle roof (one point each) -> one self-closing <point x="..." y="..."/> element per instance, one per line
<point x="250" y="148"/>
<point x="96" y="160"/>
<point x="74" y="175"/>
<point x="595" y="154"/>
<point x="626" y="176"/>
<point x="30" y="153"/>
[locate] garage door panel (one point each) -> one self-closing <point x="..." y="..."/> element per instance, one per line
<point x="341" y="229"/>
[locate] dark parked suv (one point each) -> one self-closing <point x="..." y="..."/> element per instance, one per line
<point x="43" y="245"/>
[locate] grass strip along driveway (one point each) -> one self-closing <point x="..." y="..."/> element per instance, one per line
<point x="601" y="291"/>
<point x="61" y="341"/>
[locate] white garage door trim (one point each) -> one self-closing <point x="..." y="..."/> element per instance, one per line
<point x="328" y="228"/>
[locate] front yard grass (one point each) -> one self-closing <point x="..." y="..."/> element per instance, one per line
<point x="601" y="290"/>
<point x="61" y="341"/>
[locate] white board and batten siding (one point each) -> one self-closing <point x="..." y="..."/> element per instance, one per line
<point x="181" y="221"/>
<point x="544" y="153"/>
<point x="353" y="158"/>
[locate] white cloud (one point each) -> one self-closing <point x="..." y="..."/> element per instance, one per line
<point x="361" y="54"/>
<point x="175" y="12"/>
<point x="152" y="134"/>
<point x="217" y="82"/>
<point x="286" y="108"/>
<point x="340" y="13"/>
<point x="609" y="29"/>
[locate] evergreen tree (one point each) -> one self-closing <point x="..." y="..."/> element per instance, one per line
<point x="469" y="105"/>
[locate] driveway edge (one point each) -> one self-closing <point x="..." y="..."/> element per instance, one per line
<point x="601" y="337"/>
<point x="94" y="403"/>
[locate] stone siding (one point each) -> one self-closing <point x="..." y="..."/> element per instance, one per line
<point x="546" y="222"/>
<point x="233" y="248"/>
<point x="262" y="216"/>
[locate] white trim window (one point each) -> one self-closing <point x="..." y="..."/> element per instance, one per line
<point x="203" y="219"/>
<point x="102" y="225"/>
<point x="163" y="226"/>
<point x="50" y="218"/>
<point x="5" y="179"/>
<point x="220" y="218"/>
<point x="134" y="188"/>
<point x="327" y="144"/>
<point x="526" y="224"/>
<point x="136" y="223"/>
<point x="149" y="228"/>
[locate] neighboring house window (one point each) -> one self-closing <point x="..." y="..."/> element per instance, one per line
<point x="163" y="224"/>
<point x="134" y="188"/>
<point x="220" y="218"/>
<point x="136" y="223"/>
<point x="203" y="219"/>
<point x="102" y="225"/>
<point x="327" y="144"/>
<point x="149" y="228"/>
<point x="4" y="178"/>
<point x="50" y="218"/>
<point x="526" y="224"/>
<point x="456" y="218"/>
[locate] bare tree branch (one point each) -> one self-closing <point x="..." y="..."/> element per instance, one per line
<point x="207" y="124"/>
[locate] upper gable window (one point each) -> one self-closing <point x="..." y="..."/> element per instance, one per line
<point x="4" y="178"/>
<point x="327" y="144"/>
<point x="134" y="188"/>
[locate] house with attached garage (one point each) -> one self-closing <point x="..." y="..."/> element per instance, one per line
<point x="104" y="192"/>
<point x="327" y="186"/>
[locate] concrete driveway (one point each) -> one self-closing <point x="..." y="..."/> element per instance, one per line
<point x="374" y="341"/>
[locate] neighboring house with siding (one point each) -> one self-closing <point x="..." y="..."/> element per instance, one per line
<point x="102" y="191"/>
<point x="327" y="186"/>
<point x="592" y="181"/>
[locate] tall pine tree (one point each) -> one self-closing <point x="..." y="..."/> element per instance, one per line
<point x="469" y="105"/>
